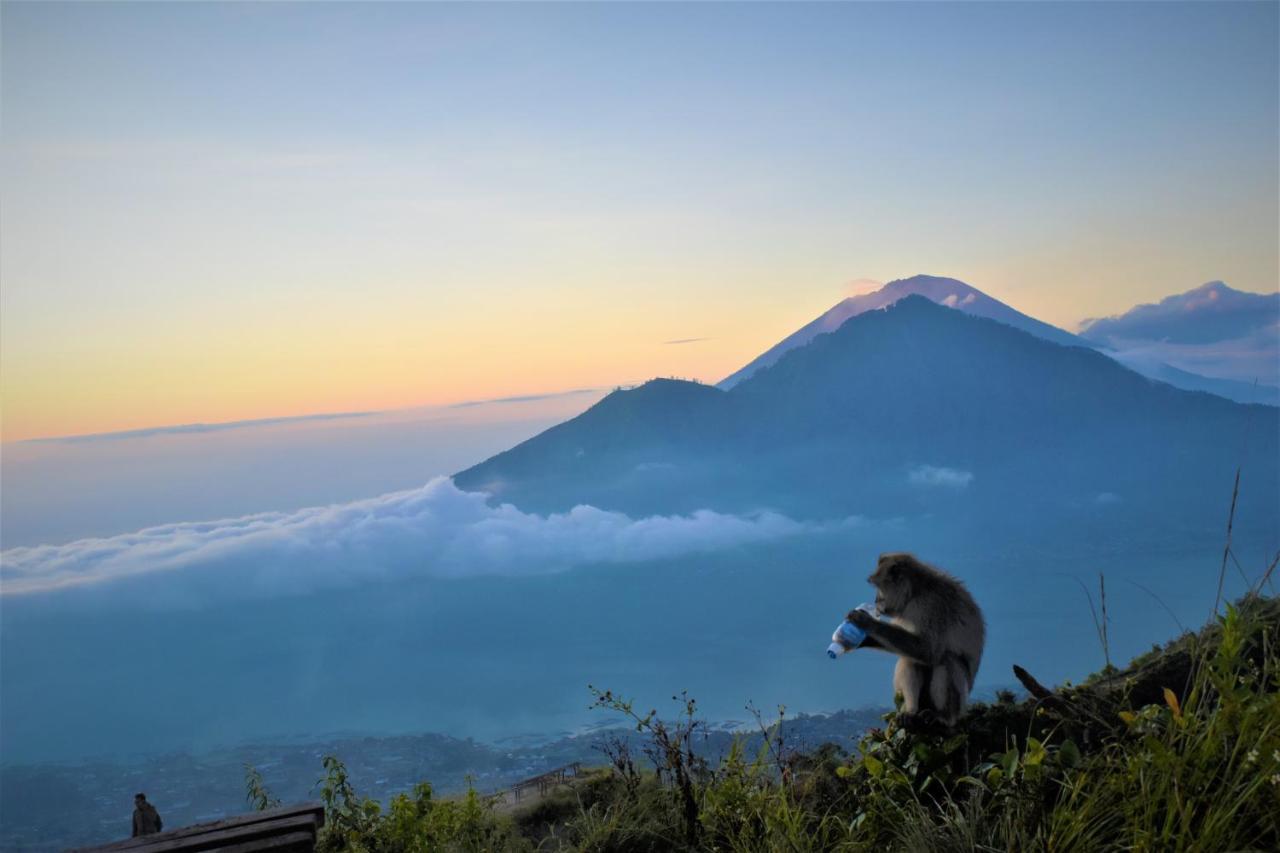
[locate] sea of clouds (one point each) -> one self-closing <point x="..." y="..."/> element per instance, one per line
<point x="436" y="531"/>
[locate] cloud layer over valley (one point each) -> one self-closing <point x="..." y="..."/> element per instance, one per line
<point x="436" y="531"/>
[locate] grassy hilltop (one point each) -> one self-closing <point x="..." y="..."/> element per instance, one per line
<point x="1178" y="751"/>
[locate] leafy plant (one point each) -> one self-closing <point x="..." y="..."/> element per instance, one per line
<point x="256" y="793"/>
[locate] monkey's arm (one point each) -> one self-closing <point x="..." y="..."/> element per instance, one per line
<point x="895" y="640"/>
<point x="856" y="616"/>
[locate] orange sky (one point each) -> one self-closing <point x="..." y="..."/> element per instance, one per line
<point x="207" y="218"/>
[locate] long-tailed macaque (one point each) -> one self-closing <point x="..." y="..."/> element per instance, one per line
<point x="935" y="629"/>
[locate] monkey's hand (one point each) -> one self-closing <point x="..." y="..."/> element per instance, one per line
<point x="860" y="618"/>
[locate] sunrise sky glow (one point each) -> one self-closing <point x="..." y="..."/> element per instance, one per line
<point x="219" y="212"/>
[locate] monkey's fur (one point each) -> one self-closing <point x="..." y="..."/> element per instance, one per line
<point x="936" y="630"/>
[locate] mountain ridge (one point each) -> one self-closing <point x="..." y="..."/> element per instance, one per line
<point x="940" y="289"/>
<point x="1212" y="337"/>
<point x="839" y="425"/>
<point x="961" y="296"/>
<point x="1228" y="311"/>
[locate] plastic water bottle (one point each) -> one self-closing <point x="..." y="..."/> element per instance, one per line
<point x="849" y="636"/>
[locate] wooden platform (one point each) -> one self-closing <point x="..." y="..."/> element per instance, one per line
<point x="290" y="829"/>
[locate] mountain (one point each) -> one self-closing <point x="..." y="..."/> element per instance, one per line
<point x="1155" y="366"/>
<point x="1210" y="313"/>
<point x="905" y="410"/>
<point x="950" y="292"/>
<point x="1226" y="340"/>
<point x="1141" y="358"/>
<point x="609" y="454"/>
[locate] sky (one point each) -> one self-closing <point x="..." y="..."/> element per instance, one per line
<point x="224" y="212"/>
<point x="58" y="490"/>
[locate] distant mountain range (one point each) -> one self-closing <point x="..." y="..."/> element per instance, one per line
<point x="1210" y="331"/>
<point x="1209" y="314"/>
<point x="905" y="410"/>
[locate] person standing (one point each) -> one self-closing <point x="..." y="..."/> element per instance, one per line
<point x="146" y="820"/>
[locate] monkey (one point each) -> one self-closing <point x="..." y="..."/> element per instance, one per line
<point x="935" y="629"/>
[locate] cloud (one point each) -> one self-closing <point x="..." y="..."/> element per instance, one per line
<point x="861" y="286"/>
<point x="953" y="300"/>
<point x="1106" y="498"/>
<point x="933" y="477"/>
<point x="183" y="429"/>
<point x="526" y="398"/>
<point x="686" y="341"/>
<point x="436" y="531"/>
<point x="1255" y="356"/>
<point x="1209" y="314"/>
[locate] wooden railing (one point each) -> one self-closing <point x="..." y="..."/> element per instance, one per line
<point x="546" y="781"/>
<point x="291" y="829"/>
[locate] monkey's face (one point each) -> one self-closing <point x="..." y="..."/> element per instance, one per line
<point x="893" y="584"/>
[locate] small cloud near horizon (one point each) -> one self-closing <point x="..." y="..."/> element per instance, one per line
<point x="954" y="300"/>
<point x="686" y="341"/>
<point x="862" y="286"/>
<point x="935" y="477"/>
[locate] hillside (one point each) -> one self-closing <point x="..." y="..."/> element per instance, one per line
<point x="610" y="452"/>
<point x="1180" y="751"/>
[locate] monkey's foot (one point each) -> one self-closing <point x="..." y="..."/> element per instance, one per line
<point x="924" y="722"/>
